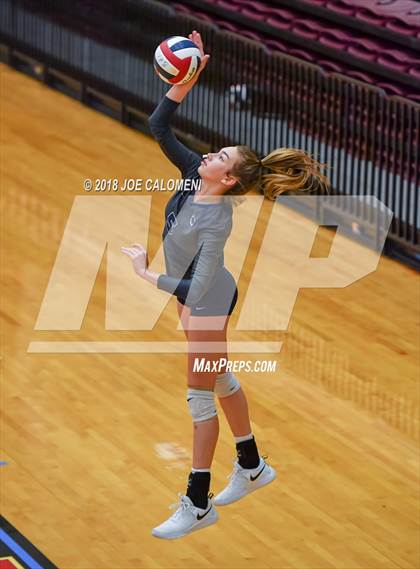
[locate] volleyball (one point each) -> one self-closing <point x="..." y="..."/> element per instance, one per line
<point x="177" y="60"/>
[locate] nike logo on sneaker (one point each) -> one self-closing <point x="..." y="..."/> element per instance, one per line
<point x="252" y="478"/>
<point x="205" y="514"/>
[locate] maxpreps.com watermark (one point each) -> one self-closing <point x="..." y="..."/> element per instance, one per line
<point x="203" y="365"/>
<point x="140" y="184"/>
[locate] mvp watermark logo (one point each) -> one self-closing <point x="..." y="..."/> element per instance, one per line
<point x="274" y="271"/>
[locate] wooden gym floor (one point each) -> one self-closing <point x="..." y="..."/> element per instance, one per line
<point x="98" y="445"/>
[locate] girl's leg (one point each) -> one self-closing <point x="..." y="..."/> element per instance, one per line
<point x="205" y="432"/>
<point x="235" y="407"/>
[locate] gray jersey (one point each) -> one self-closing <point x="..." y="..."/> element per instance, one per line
<point x="195" y="233"/>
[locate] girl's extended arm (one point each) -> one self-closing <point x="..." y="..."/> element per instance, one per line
<point x="179" y="92"/>
<point x="159" y="121"/>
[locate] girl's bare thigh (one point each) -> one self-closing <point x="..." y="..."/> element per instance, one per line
<point x="206" y="344"/>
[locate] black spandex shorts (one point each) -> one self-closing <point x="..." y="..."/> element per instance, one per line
<point x="220" y="300"/>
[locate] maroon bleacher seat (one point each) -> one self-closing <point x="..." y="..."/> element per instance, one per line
<point x="369" y="17"/>
<point x="282" y="13"/>
<point x="355" y="3"/>
<point x="204" y="17"/>
<point x="253" y="35"/>
<point x="336" y="38"/>
<point x="307" y="28"/>
<point x="371" y="45"/>
<point x="226" y="5"/>
<point x="362" y="52"/>
<point x="224" y="24"/>
<point x="391" y="88"/>
<point x="252" y="5"/>
<point x="415" y="71"/>
<point x="340" y="8"/>
<point x="241" y="2"/>
<point x="181" y="8"/>
<point x="276" y="44"/>
<point x="360" y="75"/>
<point x="401" y="55"/>
<point x="260" y="17"/>
<point x="393" y="58"/>
<point x="392" y="63"/>
<point x="397" y="60"/>
<point x="377" y="12"/>
<point x="282" y="24"/>
<point x="384" y="5"/>
<point x="330" y="65"/>
<point x="411" y="18"/>
<point x="302" y="54"/>
<point x="401" y="6"/>
<point x="317" y="2"/>
<point x="400" y="27"/>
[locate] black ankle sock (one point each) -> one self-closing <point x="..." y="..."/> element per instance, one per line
<point x="198" y="488"/>
<point x="247" y="452"/>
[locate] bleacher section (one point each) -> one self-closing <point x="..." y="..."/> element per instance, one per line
<point x="349" y="47"/>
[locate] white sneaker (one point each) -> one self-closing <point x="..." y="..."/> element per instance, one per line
<point x="244" y="480"/>
<point x="186" y="519"/>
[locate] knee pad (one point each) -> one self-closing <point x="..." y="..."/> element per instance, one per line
<point x="201" y="404"/>
<point x="226" y="384"/>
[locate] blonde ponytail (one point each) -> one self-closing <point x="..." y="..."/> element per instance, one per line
<point x="292" y="171"/>
<point x="287" y="171"/>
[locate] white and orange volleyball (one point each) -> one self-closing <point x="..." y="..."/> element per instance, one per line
<point x="177" y="60"/>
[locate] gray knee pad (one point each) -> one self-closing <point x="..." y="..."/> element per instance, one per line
<point x="201" y="404"/>
<point x="226" y="384"/>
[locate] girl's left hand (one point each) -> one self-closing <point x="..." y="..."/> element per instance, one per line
<point x="138" y="255"/>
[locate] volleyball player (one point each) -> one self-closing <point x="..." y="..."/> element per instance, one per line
<point x="197" y="225"/>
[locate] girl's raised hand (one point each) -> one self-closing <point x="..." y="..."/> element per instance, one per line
<point x="196" y="38"/>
